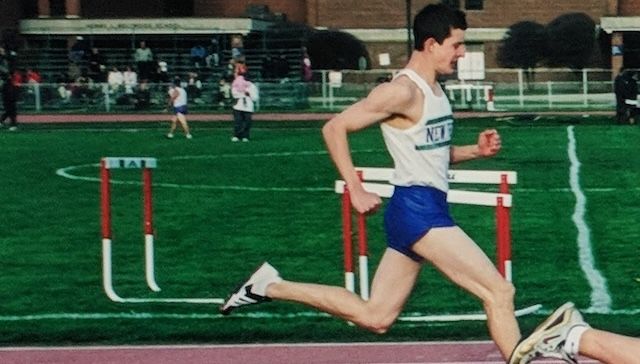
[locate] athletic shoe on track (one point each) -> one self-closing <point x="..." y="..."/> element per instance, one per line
<point x="549" y="338"/>
<point x="253" y="291"/>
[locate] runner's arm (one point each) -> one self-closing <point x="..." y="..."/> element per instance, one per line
<point x="383" y="102"/>
<point x="488" y="145"/>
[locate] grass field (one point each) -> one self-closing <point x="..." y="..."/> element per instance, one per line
<point x="221" y="208"/>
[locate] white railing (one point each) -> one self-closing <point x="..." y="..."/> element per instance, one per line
<point x="508" y="89"/>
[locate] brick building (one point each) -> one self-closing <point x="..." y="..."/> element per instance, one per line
<point x="381" y="24"/>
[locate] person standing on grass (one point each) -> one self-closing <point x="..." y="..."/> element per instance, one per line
<point x="417" y="125"/>
<point x="178" y="100"/>
<point x="9" y="102"/>
<point x="245" y="93"/>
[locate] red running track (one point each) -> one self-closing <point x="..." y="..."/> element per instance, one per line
<point x="362" y="353"/>
<point x="292" y="116"/>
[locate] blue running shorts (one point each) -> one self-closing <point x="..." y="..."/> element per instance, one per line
<point x="411" y="213"/>
<point x="180" y="110"/>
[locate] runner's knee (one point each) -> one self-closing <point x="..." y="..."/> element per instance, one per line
<point x="502" y="294"/>
<point x="378" y="323"/>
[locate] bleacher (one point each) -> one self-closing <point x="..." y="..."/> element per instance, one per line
<point x="51" y="62"/>
<point x="284" y="91"/>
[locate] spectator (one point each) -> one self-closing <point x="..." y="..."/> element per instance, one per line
<point x="17" y="78"/>
<point x="63" y="89"/>
<point x="237" y="48"/>
<point x="240" y="68"/>
<point x="230" y="71"/>
<point x="4" y="63"/>
<point x="626" y="88"/>
<point x="78" y="50"/>
<point x="33" y="79"/>
<point x="80" y="89"/>
<point x="142" y="98"/>
<point x="130" y="80"/>
<point x="307" y="73"/>
<point x="224" y="93"/>
<point x="162" y="71"/>
<point x="194" y="87"/>
<point x="9" y="102"/>
<point x="178" y="100"/>
<point x="115" y="80"/>
<point x="213" y="59"/>
<point x="143" y="57"/>
<point x="246" y="94"/>
<point x="74" y="71"/>
<point x="198" y="55"/>
<point x="96" y="65"/>
<point x="12" y="58"/>
<point x="33" y="76"/>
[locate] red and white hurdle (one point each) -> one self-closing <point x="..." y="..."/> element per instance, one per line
<point x="502" y="201"/>
<point x="108" y="164"/>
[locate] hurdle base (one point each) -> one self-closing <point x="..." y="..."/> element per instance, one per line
<point x="107" y="283"/>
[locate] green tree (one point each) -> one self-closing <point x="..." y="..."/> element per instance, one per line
<point x="524" y="46"/>
<point x="572" y="40"/>
<point x="333" y="49"/>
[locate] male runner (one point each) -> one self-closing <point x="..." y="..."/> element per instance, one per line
<point x="416" y="120"/>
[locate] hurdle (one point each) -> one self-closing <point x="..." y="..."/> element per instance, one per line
<point x="146" y="165"/>
<point x="502" y="201"/>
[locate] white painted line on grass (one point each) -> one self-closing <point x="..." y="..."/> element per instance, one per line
<point x="600" y="298"/>
<point x="215" y="316"/>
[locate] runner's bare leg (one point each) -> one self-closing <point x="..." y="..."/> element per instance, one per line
<point x="391" y="286"/>
<point x="459" y="258"/>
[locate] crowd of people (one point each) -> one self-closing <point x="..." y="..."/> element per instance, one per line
<point x="214" y="75"/>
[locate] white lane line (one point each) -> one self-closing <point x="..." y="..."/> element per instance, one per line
<point x="600" y="298"/>
<point x="214" y="316"/>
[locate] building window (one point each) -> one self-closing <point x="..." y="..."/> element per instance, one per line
<point x="453" y="4"/>
<point x="474" y="4"/>
<point x="58" y="8"/>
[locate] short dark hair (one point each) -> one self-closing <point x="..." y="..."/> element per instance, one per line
<point x="436" y="21"/>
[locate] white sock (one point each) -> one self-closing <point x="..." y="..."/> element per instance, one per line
<point x="572" y="345"/>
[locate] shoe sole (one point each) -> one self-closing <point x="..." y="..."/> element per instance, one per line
<point x="528" y="343"/>
<point x="227" y="310"/>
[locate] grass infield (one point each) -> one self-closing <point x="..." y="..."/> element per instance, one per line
<point x="221" y="208"/>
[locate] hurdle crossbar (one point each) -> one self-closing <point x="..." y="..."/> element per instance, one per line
<point x="146" y="165"/>
<point x="502" y="201"/>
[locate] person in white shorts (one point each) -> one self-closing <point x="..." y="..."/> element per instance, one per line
<point x="178" y="100"/>
<point x="417" y="124"/>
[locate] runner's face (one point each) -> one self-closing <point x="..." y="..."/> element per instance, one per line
<point x="448" y="53"/>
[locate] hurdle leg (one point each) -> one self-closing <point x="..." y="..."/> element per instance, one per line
<point x="503" y="232"/>
<point x="148" y="231"/>
<point x="349" y="276"/>
<point x="503" y="238"/>
<point x="105" y="214"/>
<point x="363" y="257"/>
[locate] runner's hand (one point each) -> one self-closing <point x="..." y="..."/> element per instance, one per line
<point x="365" y="202"/>
<point x="489" y="143"/>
